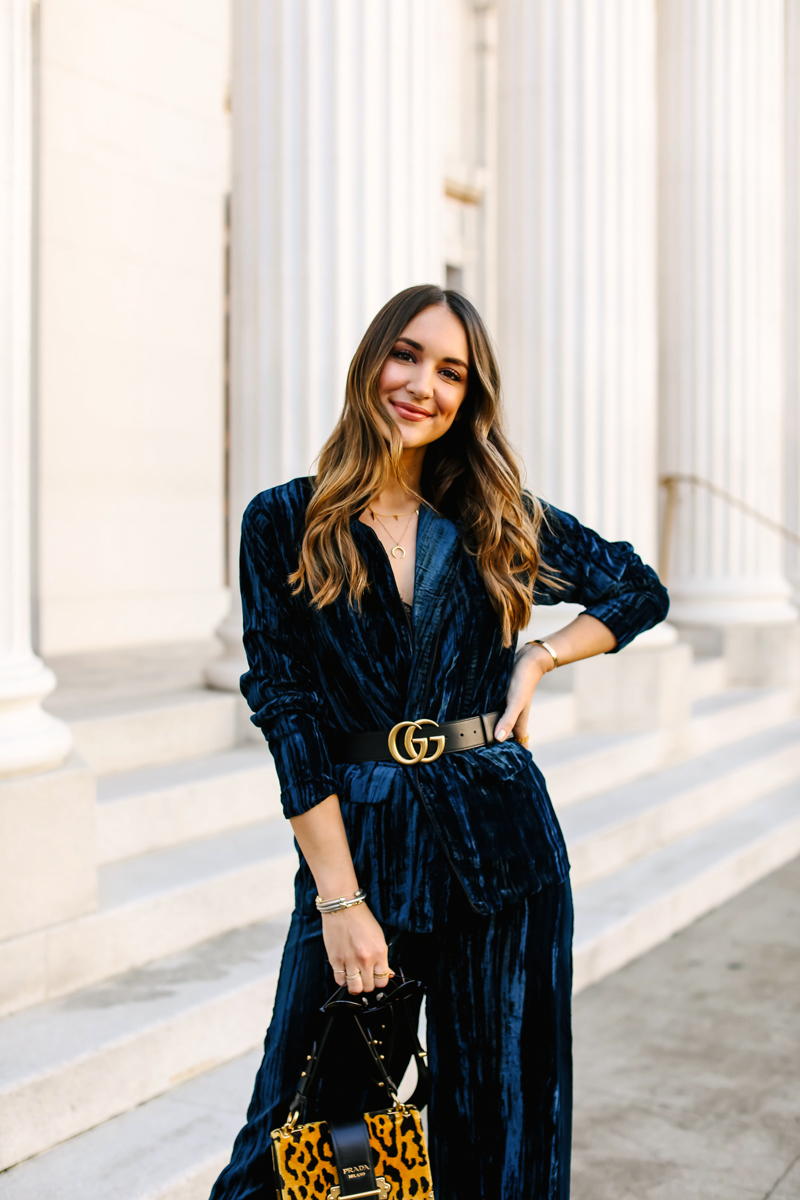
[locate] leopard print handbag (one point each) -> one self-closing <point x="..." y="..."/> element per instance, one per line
<point x="380" y="1154"/>
<point x="305" y="1167"/>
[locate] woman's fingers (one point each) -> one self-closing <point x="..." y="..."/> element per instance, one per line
<point x="355" y="980"/>
<point x="508" y="720"/>
<point x="382" y="975"/>
<point x="520" y="727"/>
<point x="366" y="978"/>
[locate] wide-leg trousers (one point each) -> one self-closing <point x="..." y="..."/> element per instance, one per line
<point x="499" y="1048"/>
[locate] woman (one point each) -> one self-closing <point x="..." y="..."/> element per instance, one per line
<point x="382" y="602"/>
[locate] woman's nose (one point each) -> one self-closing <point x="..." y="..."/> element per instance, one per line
<point x="421" y="385"/>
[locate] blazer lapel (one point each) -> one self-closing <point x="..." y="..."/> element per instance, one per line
<point x="438" y="547"/>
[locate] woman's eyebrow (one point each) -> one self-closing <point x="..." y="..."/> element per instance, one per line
<point x="420" y="347"/>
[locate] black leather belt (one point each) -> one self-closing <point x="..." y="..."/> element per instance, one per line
<point x="419" y="741"/>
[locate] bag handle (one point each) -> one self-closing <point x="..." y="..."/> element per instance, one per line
<point x="422" y="1091"/>
<point x="360" y="1005"/>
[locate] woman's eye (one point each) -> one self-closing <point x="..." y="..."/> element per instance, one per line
<point x="404" y="355"/>
<point x="452" y="375"/>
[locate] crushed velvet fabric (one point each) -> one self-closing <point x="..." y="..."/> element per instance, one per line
<point x="483" y="816"/>
<point x="462" y="859"/>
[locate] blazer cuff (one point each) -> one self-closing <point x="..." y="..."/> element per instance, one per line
<point x="302" y="762"/>
<point x="303" y="795"/>
<point x="629" y="615"/>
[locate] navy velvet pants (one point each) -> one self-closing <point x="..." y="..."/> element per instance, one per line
<point x="499" y="1048"/>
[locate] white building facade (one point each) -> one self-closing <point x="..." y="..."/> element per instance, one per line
<point x="204" y="206"/>
<point x="613" y="184"/>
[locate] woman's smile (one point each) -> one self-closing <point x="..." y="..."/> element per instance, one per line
<point x="408" y="411"/>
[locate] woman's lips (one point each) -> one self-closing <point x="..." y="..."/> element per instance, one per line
<point x="408" y="412"/>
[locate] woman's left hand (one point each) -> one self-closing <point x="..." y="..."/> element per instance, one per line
<point x="531" y="664"/>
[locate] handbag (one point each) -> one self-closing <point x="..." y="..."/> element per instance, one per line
<point x="380" y="1154"/>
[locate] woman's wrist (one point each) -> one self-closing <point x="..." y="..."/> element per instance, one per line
<point x="538" y="656"/>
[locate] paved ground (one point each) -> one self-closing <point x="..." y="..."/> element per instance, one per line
<point x="687" y="1071"/>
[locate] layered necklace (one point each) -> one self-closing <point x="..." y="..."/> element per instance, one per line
<point x="397" y="551"/>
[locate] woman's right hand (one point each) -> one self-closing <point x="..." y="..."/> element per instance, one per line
<point x="356" y="946"/>
<point x="353" y="938"/>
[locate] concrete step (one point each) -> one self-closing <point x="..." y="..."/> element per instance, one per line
<point x="709" y="675"/>
<point x="579" y="766"/>
<point x="610" y="830"/>
<point x="736" y="712"/>
<point x="152" y="808"/>
<point x="153" y="906"/>
<point x="70" y="1065"/>
<point x="575" y="766"/>
<point x="123" y="733"/>
<point x="169" y="1148"/>
<point x="553" y="715"/>
<point x="621" y="917"/>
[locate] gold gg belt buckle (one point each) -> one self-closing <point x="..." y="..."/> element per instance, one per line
<point x="416" y="747"/>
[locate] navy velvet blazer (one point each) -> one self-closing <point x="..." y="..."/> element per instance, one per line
<point x="314" y="673"/>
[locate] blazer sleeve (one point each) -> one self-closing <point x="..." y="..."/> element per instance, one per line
<point x="280" y="686"/>
<point x="608" y="578"/>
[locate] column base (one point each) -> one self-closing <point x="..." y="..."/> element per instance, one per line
<point x="756" y="655"/>
<point x="48" y="853"/>
<point x="642" y="687"/>
<point x="224" y="672"/>
<point x="723" y="603"/>
<point x="30" y="739"/>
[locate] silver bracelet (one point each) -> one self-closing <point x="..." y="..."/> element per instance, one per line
<point x="339" y="903"/>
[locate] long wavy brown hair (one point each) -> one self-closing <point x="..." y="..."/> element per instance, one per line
<point x="470" y="474"/>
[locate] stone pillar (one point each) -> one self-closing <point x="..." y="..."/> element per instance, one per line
<point x="336" y="194"/>
<point x="577" y="262"/>
<point x="721" y="197"/>
<point x="47" y="844"/>
<point x="577" y="325"/>
<point x="30" y="739"/>
<point x="792" y="283"/>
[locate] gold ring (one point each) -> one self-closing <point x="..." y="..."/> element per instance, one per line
<point x="381" y="974"/>
<point x="353" y="976"/>
<point x="524" y="740"/>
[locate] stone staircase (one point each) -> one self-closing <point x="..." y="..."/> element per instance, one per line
<point x="129" y="1036"/>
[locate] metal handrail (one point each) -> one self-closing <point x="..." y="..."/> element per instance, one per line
<point x="671" y="482"/>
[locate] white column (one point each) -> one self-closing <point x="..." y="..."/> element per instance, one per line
<point x="577" y="284"/>
<point x="30" y="739"/>
<point x="336" y="194"/>
<point x="721" y="196"/>
<point x="792" y="283"/>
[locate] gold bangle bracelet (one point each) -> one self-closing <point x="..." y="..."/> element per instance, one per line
<point x="548" y="648"/>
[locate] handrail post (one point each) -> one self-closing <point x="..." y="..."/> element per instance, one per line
<point x="670" y="482"/>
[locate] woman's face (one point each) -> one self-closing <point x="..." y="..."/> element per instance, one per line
<point x="424" y="379"/>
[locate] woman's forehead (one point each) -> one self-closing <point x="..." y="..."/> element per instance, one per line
<point x="439" y="330"/>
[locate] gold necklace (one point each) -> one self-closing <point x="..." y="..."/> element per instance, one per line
<point x="376" y="517"/>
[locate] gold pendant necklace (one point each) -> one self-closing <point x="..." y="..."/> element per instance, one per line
<point x="396" y="516"/>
